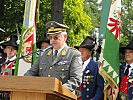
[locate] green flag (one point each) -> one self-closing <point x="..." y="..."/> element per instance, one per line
<point x="27" y="43"/>
<point x="109" y="57"/>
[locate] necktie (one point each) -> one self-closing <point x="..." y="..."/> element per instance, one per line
<point x="8" y="61"/>
<point x="55" y="54"/>
<point x="127" y="70"/>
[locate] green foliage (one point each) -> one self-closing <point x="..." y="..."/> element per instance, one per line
<point x="11" y="16"/>
<point x="91" y="8"/>
<point x="44" y="17"/>
<point x="78" y="21"/>
<point x="82" y="16"/>
<point x="127" y="21"/>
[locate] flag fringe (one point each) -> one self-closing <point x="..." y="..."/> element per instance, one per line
<point x="104" y="74"/>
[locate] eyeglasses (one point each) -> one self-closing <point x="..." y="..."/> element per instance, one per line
<point x="54" y="37"/>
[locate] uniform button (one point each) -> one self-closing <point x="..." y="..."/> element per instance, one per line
<point x="87" y="96"/>
<point x="50" y="67"/>
<point x="87" y="71"/>
<point x="40" y="67"/>
<point x="84" y="86"/>
<point x="87" y="89"/>
<point x="87" y="82"/>
<point x="48" y="75"/>
<point x="62" y="69"/>
<point x="132" y="92"/>
<point x="126" y="82"/>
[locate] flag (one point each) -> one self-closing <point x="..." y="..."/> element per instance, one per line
<point x="109" y="56"/>
<point x="27" y="43"/>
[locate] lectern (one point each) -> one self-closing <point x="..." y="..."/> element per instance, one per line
<point x="35" y="88"/>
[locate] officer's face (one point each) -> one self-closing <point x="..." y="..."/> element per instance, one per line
<point x="57" y="40"/>
<point x="10" y="51"/>
<point x="85" y="53"/>
<point x="129" y="56"/>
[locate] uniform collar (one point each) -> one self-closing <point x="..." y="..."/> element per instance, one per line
<point x="7" y="59"/>
<point x="130" y="69"/>
<point x="60" y="49"/>
<point x="85" y="64"/>
<point x="130" y="65"/>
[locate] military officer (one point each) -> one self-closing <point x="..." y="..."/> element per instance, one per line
<point x="62" y="62"/>
<point x="126" y="73"/>
<point x="92" y="82"/>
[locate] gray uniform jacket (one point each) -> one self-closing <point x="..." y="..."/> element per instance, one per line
<point x="67" y="67"/>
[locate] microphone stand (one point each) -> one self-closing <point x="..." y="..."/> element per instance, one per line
<point x="40" y="50"/>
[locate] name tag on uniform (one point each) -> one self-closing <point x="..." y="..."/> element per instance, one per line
<point x="63" y="63"/>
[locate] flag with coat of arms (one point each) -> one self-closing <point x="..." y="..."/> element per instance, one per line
<point x="109" y="57"/>
<point x="27" y="43"/>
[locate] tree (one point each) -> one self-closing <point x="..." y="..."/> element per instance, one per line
<point x="56" y="10"/>
<point x="73" y="16"/>
<point x="44" y="17"/>
<point x="91" y="7"/>
<point x="11" y="16"/>
<point x="127" y="21"/>
<point x="78" y="21"/>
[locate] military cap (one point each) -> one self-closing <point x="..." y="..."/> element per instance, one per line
<point x="54" y="27"/>
<point x="88" y="43"/>
<point x="129" y="46"/>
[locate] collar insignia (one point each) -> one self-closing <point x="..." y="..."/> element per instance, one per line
<point x="49" y="52"/>
<point x="63" y="53"/>
<point x="62" y="76"/>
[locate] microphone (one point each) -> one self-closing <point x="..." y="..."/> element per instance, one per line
<point x="23" y="56"/>
<point x="49" y="47"/>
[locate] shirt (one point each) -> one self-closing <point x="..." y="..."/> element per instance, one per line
<point x="130" y="69"/>
<point x="85" y="64"/>
<point x="7" y="59"/>
<point x="59" y="49"/>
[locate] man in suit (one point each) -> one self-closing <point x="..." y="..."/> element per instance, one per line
<point x="92" y="82"/>
<point x="62" y="62"/>
<point x="126" y="73"/>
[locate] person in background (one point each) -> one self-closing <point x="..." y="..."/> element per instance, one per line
<point x="61" y="61"/>
<point x="126" y="73"/>
<point x="10" y="48"/>
<point x="92" y="82"/>
<point x="45" y="42"/>
<point x="8" y="66"/>
<point x="42" y="44"/>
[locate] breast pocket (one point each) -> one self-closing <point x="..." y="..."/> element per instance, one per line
<point x="62" y="68"/>
<point x="42" y="68"/>
<point x="63" y="72"/>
